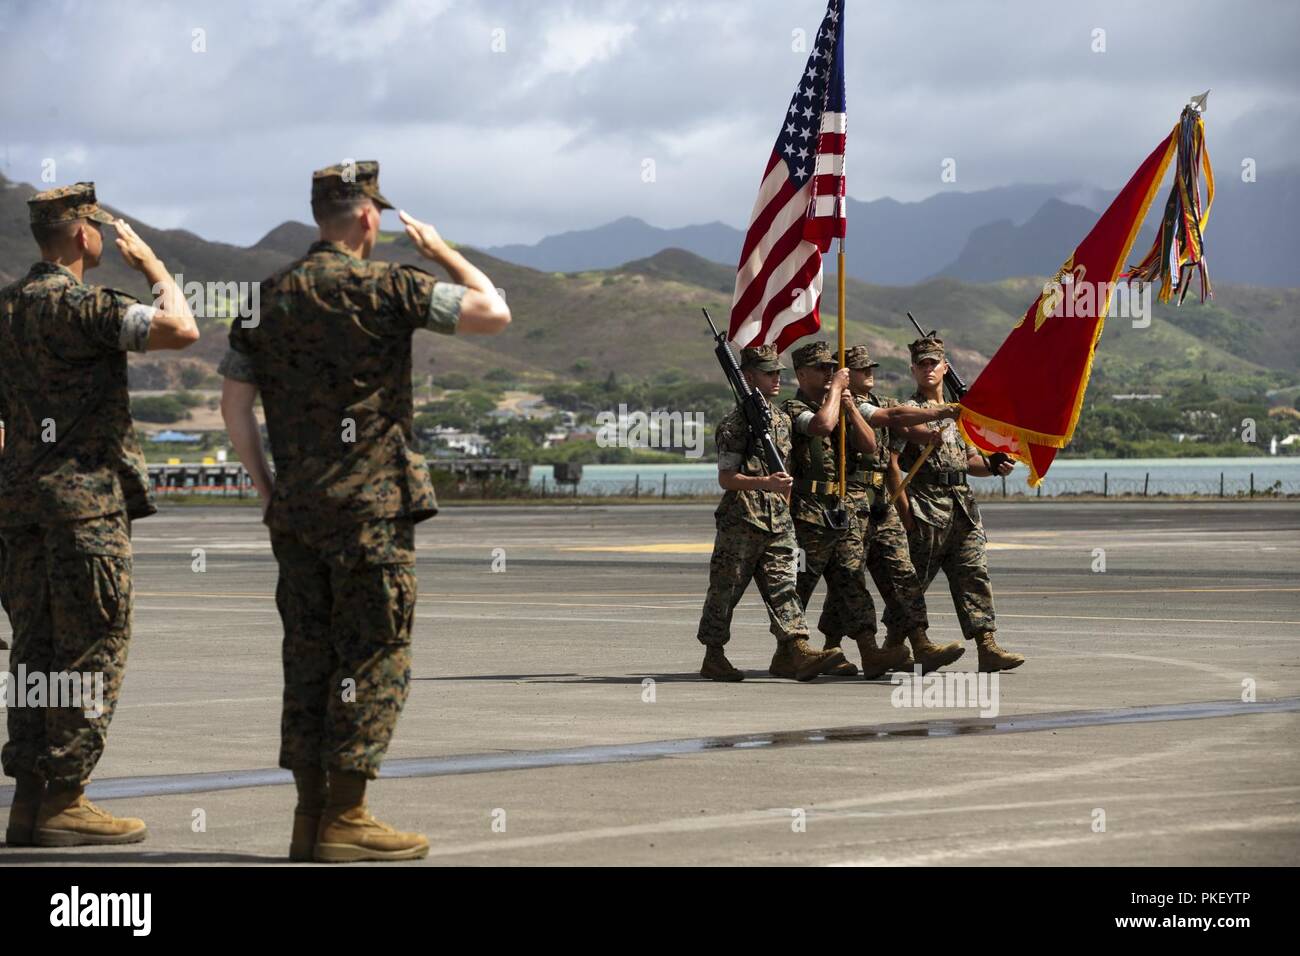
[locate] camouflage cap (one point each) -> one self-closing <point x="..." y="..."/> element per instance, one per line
<point x="926" y="348"/>
<point x="814" y="353"/>
<point x="355" y="179"/>
<point x="764" y="358"/>
<point x="65" y="204"/>
<point x="857" y="356"/>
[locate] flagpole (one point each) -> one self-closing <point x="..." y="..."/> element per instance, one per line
<point x="839" y="268"/>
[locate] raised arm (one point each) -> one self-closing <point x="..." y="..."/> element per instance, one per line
<point x="828" y="416"/>
<point x="482" y="310"/>
<point x="172" y="325"/>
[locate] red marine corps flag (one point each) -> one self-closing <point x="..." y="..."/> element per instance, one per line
<point x="800" y="205"/>
<point x="1026" y="402"/>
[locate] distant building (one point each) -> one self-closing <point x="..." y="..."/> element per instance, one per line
<point x="1136" y="397"/>
<point x="467" y="443"/>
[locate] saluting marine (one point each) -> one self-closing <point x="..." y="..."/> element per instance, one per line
<point x="330" y="355"/>
<point x="943" y="520"/>
<point x="755" y="539"/>
<point x="72" y="478"/>
<point x="887" y="556"/>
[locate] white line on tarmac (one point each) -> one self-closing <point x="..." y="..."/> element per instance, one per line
<point x="975" y="852"/>
<point x="1096" y="769"/>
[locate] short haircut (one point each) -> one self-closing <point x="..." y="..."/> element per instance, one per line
<point x="50" y="234"/>
<point x="332" y="212"/>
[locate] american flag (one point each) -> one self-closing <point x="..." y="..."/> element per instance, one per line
<point x="800" y="206"/>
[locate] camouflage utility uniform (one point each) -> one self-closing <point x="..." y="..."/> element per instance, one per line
<point x="836" y="554"/>
<point x="947" y="533"/>
<point x="331" y="357"/>
<point x="887" y="556"/>
<point x="755" y="539"/>
<point x="72" y="479"/>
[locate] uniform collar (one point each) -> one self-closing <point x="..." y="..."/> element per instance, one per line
<point x="47" y="268"/>
<point x="326" y="245"/>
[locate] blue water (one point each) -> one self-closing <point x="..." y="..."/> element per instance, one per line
<point x="1067" y="476"/>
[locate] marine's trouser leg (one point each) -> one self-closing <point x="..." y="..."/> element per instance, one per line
<point x="69" y="597"/>
<point x="834" y="620"/>
<point x="890" y="565"/>
<point x="837" y="556"/>
<point x="737" y="549"/>
<point x="958" y="549"/>
<point x="775" y="576"/>
<point x="347" y="605"/>
<point x="965" y="564"/>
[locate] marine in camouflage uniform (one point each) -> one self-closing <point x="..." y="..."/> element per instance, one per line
<point x="947" y="533"/>
<point x="887" y="557"/>
<point x="838" y="554"/>
<point x="755" y="541"/>
<point x="330" y="354"/>
<point x="73" y="478"/>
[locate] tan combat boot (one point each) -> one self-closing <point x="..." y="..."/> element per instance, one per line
<point x="717" y="667"/>
<point x="349" y="834"/>
<point x="67" y="818"/>
<point x="895" y="638"/>
<point x="846" y="669"/>
<point x="994" y="658"/>
<point x="875" y="661"/>
<point x="932" y="656"/>
<point x="312" y="794"/>
<point x="805" y="663"/>
<point x="29" y="789"/>
<point x="782" y="664"/>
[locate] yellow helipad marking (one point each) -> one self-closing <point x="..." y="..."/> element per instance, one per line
<point x="706" y="547"/>
<point x="685" y="547"/>
<point x="1150" y="591"/>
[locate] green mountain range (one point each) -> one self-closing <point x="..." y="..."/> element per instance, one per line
<point x="643" y="318"/>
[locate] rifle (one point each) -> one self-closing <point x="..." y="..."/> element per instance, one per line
<point x="757" y="413"/>
<point x="758" y="416"/>
<point x="957" y="391"/>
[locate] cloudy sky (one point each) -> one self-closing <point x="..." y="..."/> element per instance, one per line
<point x="507" y="121"/>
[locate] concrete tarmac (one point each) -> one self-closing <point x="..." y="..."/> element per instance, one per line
<point x="556" y="715"/>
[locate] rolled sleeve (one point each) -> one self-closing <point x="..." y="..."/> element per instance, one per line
<point x="237" y="366"/>
<point x="730" y="461"/>
<point x="867" y="410"/>
<point x="801" y="422"/>
<point x="136" y="323"/>
<point x="444" y="307"/>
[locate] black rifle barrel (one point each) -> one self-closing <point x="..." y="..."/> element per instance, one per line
<point x="753" y="407"/>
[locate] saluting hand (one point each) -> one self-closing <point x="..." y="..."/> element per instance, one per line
<point x="134" y="250"/>
<point x="425" y="237"/>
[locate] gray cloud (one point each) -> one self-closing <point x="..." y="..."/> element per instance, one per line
<point x="552" y="133"/>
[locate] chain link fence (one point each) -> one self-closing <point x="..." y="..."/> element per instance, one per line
<point x="230" y="480"/>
